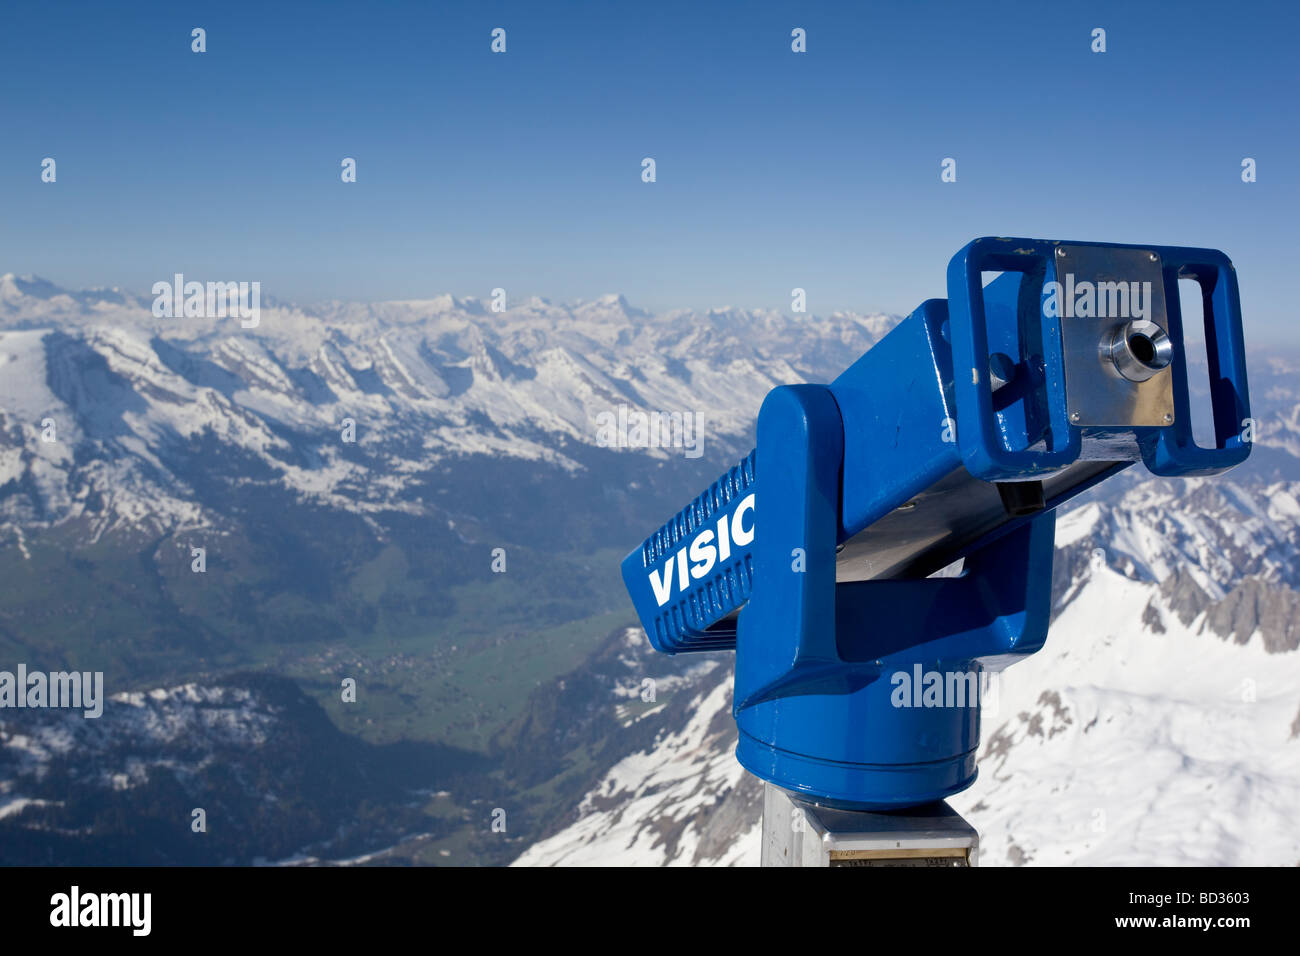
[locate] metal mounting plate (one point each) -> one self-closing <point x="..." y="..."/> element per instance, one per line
<point x="1100" y="289"/>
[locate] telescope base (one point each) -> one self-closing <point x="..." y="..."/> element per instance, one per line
<point x="799" y="832"/>
<point x="866" y="786"/>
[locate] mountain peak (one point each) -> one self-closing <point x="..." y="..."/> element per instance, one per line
<point x="614" y="302"/>
<point x="28" y="286"/>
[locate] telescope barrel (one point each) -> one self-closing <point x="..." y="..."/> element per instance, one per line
<point x="973" y="415"/>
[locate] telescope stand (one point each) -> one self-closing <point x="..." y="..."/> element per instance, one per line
<point x="799" y="832"/>
<point x="858" y="657"/>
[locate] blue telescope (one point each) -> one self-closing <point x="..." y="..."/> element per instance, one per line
<point x="898" y="545"/>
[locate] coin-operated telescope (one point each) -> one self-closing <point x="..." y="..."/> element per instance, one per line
<point x="945" y="448"/>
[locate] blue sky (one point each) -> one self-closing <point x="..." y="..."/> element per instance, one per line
<point x="523" y="170"/>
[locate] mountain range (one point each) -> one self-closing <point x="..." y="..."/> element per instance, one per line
<point x="413" y="496"/>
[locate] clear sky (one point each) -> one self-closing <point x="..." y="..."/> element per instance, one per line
<point x="523" y="170"/>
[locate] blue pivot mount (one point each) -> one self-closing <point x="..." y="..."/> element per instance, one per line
<point x="904" y="549"/>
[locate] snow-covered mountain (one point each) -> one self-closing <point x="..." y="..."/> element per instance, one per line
<point x="124" y="394"/>
<point x="684" y="800"/>
<point x="1161" y="722"/>
<point x="249" y="770"/>
<point x="130" y="443"/>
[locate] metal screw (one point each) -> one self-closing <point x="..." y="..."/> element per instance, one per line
<point x="1169" y="419"/>
<point x="1060" y="252"/>
<point x="1074" y="417"/>
<point x="1153" y="257"/>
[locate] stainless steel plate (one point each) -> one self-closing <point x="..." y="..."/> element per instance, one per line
<point x="1112" y="312"/>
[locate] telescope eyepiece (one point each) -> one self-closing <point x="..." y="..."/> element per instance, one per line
<point x="1138" y="350"/>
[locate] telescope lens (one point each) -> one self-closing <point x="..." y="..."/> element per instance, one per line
<point x="1142" y="348"/>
